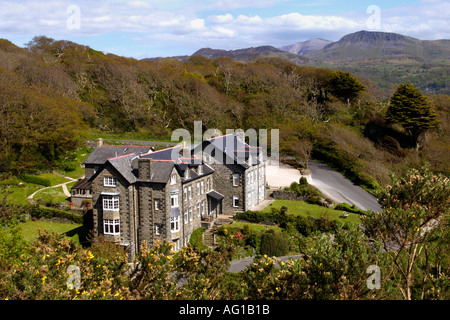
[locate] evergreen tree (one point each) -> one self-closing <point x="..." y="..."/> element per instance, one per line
<point x="345" y="86"/>
<point x="411" y="109"/>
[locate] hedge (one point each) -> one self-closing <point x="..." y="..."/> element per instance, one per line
<point x="36" y="180"/>
<point x="346" y="207"/>
<point x="45" y="212"/>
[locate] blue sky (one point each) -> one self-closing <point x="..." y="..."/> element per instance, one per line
<point x="155" y="28"/>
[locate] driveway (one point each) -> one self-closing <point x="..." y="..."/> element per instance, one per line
<point x="330" y="182"/>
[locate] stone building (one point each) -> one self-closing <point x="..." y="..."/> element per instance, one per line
<point x="81" y="192"/>
<point x="142" y="196"/>
<point x="239" y="171"/>
<point x="149" y="197"/>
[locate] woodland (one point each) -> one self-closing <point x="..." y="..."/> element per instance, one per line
<point x="53" y="93"/>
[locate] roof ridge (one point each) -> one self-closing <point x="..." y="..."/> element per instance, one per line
<point x="144" y="154"/>
<point x="126" y="146"/>
<point x="126" y="155"/>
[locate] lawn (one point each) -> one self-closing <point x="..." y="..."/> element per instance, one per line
<point x="305" y="209"/>
<point x="18" y="190"/>
<point x="74" y="231"/>
<point x="53" y="195"/>
<point x="54" y="178"/>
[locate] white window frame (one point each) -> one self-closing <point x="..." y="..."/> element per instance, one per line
<point x="208" y="185"/>
<point x="185" y="216"/>
<point x="203" y="207"/>
<point x="234" y="201"/>
<point x="198" y="188"/>
<point x="157" y="204"/>
<point x="198" y="209"/>
<point x="202" y="187"/>
<point x="236" y="177"/>
<point x="173" y="179"/>
<point x="111" y="227"/>
<point x="109" y="182"/>
<point x="191" y="214"/>
<point x="174" y="203"/>
<point x="176" y="224"/>
<point x="110" y="202"/>
<point x="200" y="169"/>
<point x="185" y="193"/>
<point x="190" y="192"/>
<point x="156" y="229"/>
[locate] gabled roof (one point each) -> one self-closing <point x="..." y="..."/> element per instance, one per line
<point x="100" y="154"/>
<point x="233" y="151"/>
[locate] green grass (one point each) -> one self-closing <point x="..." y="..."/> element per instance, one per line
<point x="305" y="209"/>
<point x="54" y="178"/>
<point x="140" y="136"/>
<point x="30" y="229"/>
<point x="18" y="190"/>
<point x="53" y="195"/>
<point x="255" y="227"/>
<point x="80" y="155"/>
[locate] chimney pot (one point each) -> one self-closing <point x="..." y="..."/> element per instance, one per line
<point x="99" y="142"/>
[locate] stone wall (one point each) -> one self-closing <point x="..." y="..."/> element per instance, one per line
<point x="288" y="195"/>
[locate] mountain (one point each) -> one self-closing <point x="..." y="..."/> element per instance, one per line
<point x="307" y="46"/>
<point x="365" y="45"/>
<point x="248" y="54"/>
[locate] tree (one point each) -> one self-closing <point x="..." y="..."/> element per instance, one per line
<point x="411" y="109"/>
<point x="345" y="86"/>
<point x="413" y="228"/>
<point x="304" y="149"/>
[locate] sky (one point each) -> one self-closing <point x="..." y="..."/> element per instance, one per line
<point x="162" y="28"/>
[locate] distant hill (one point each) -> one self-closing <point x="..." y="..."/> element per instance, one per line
<point x="385" y="58"/>
<point x="251" y="53"/>
<point x="307" y="46"/>
<point x="364" y="45"/>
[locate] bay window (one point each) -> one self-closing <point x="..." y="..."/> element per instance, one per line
<point x="111" y="227"/>
<point x="111" y="203"/>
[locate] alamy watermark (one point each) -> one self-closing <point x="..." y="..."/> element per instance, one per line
<point x="74" y="279"/>
<point x="73" y="22"/>
<point x="374" y="280"/>
<point x="374" y="21"/>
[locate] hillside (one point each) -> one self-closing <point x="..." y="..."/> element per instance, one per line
<point x="365" y="45"/>
<point x="54" y="93"/>
<point x="248" y="54"/>
<point x="384" y="58"/>
<point x="305" y="47"/>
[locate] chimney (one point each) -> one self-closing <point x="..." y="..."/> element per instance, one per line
<point x="99" y="142"/>
<point x="145" y="167"/>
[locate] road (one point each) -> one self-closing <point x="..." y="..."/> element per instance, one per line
<point x="330" y="182"/>
<point x="340" y="189"/>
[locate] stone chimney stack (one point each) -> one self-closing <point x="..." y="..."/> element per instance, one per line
<point x="99" y="142"/>
<point x="145" y="167"/>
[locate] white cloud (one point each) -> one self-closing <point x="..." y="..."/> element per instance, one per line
<point x="221" y="18"/>
<point x="218" y="24"/>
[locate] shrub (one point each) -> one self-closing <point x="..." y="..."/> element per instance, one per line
<point x="43" y="212"/>
<point x="346" y="207"/>
<point x="274" y="244"/>
<point x="303" y="181"/>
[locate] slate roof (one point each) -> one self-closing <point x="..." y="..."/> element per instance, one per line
<point x="83" y="184"/>
<point x="127" y="166"/>
<point x="100" y="154"/>
<point x="233" y="151"/>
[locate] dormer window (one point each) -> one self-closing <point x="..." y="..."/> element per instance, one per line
<point x="173" y="179"/>
<point x="200" y="169"/>
<point x="109" y="182"/>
